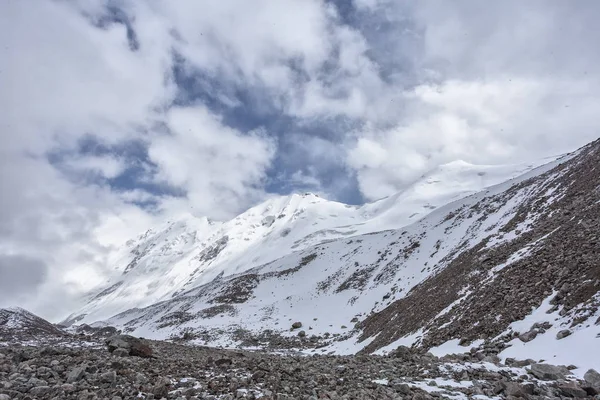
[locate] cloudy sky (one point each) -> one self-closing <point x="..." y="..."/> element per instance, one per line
<point x="118" y="114"/>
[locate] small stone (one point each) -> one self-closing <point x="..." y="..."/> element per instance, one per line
<point x="563" y="334"/>
<point x="140" y="378"/>
<point x="302" y="333"/>
<point x="37" y="382"/>
<point x="491" y="359"/>
<point x="67" y="387"/>
<point x="297" y="325"/>
<point x="76" y="374"/>
<point x="258" y="375"/>
<point x="161" y="388"/>
<point x="40" y="390"/>
<point x="120" y="353"/>
<point x="223" y="362"/>
<point x="108" y="377"/>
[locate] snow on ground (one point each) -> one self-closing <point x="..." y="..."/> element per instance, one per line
<point x="404" y="341"/>
<point x="452" y="347"/>
<point x="581" y="348"/>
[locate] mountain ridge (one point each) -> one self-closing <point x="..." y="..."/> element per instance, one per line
<point x="171" y="250"/>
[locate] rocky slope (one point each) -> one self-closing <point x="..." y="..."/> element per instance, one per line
<point x="25" y="326"/>
<point x="513" y="269"/>
<point x="82" y="367"/>
<point x="546" y="255"/>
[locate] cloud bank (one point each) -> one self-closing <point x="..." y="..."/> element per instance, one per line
<point x="119" y="114"/>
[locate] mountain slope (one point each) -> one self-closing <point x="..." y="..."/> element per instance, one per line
<point x="27" y="326"/>
<point x="546" y="256"/>
<point x="183" y="254"/>
<point x="513" y="268"/>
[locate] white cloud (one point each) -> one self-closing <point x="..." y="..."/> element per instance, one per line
<point x="487" y="83"/>
<point x="220" y="169"/>
<point x="508" y="86"/>
<point x="488" y="122"/>
<point x="106" y="166"/>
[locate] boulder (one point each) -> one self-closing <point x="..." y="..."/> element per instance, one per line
<point x="516" y="389"/>
<point x="108" y="377"/>
<point x="548" y="372"/>
<point x="134" y="346"/>
<point x="120" y="352"/>
<point x="563" y="334"/>
<point x="40" y="391"/>
<point x="572" y="390"/>
<point x="528" y="336"/>
<point x="592" y="378"/>
<point x="76" y="374"/>
<point x="223" y="362"/>
<point x="297" y="325"/>
<point x="402" y="352"/>
<point x="491" y="359"/>
<point x="161" y="388"/>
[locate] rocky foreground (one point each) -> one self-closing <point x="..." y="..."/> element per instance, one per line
<point x="122" y="367"/>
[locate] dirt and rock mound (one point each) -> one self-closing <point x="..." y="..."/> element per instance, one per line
<point x="192" y="372"/>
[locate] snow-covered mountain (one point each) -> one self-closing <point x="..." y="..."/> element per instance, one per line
<point x="166" y="261"/>
<point x="444" y="264"/>
<point x="28" y="326"/>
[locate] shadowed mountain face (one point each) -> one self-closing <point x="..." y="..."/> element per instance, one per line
<point x="514" y="266"/>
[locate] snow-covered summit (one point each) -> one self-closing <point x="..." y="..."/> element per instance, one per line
<point x="192" y="251"/>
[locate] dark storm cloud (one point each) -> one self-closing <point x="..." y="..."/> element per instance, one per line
<point x="20" y="276"/>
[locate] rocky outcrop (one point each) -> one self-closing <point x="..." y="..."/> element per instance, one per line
<point x="19" y="323"/>
<point x="129" y="345"/>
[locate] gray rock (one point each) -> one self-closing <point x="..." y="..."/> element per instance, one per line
<point x="37" y="382"/>
<point x="161" y="387"/>
<point x="120" y="352"/>
<point x="135" y="346"/>
<point x="402" y="352"/>
<point x="491" y="359"/>
<point x="297" y="325"/>
<point x="563" y="334"/>
<point x="547" y="372"/>
<point x="516" y="389"/>
<point x="572" y="390"/>
<point x="302" y="333"/>
<point x="140" y="378"/>
<point x="76" y="374"/>
<point x="592" y="377"/>
<point x="108" y="377"/>
<point x="40" y="390"/>
<point x="67" y="387"/>
<point x="4" y="397"/>
<point x="528" y="336"/>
